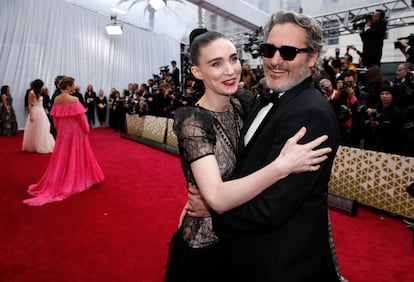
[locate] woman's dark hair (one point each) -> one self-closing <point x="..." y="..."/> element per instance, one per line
<point x="65" y="82"/>
<point x="37" y="84"/>
<point x="57" y="79"/>
<point x="4" y="89"/>
<point x="201" y="41"/>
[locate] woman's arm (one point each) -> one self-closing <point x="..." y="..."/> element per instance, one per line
<point x="30" y="104"/>
<point x="83" y="123"/>
<point x="223" y="196"/>
<point x="4" y="101"/>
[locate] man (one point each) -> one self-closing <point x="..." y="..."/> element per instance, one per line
<point x="175" y="74"/>
<point x="372" y="36"/>
<point x="325" y="85"/>
<point x="56" y="93"/>
<point x="407" y="48"/>
<point x="348" y="109"/>
<point x="404" y="88"/>
<point x="283" y="234"/>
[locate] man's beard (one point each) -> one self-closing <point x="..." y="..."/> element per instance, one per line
<point x="292" y="81"/>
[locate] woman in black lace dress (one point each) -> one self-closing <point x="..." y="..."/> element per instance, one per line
<point x="208" y="136"/>
<point x="8" y="121"/>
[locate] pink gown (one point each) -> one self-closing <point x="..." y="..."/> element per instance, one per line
<point x="72" y="167"/>
<point x="37" y="137"/>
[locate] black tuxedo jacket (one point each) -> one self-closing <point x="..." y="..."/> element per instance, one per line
<point x="282" y="234"/>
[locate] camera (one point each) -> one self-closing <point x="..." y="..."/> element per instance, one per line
<point x="164" y="69"/>
<point x="397" y="45"/>
<point x="410" y="39"/>
<point x="348" y="84"/>
<point x="359" y="21"/>
<point x="359" y="25"/>
<point x="344" y="113"/>
<point x="409" y="77"/>
<point x="374" y="117"/>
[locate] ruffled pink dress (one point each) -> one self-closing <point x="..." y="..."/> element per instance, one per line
<point x="72" y="167"/>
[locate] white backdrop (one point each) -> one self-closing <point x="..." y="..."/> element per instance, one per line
<point x="46" y="38"/>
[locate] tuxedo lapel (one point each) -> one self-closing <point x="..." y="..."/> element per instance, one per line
<point x="259" y="128"/>
<point x="259" y="104"/>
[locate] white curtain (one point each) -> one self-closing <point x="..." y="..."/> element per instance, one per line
<point x="46" y="38"/>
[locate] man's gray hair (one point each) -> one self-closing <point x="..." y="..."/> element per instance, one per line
<point x="314" y="31"/>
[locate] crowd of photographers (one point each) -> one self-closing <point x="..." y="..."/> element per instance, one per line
<point x="373" y="113"/>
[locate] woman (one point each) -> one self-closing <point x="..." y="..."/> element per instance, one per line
<point x="90" y="97"/>
<point x="72" y="167"/>
<point x="101" y="105"/>
<point x="208" y="136"/>
<point x="8" y="121"/>
<point x="37" y="137"/>
<point x="115" y="105"/>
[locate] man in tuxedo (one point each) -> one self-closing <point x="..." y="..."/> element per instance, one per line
<point x="175" y="74"/>
<point x="284" y="233"/>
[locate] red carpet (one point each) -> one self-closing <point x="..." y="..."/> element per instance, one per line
<point x="119" y="230"/>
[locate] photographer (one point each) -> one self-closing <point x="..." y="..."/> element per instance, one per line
<point x="406" y="46"/>
<point x="372" y="36"/>
<point x="348" y="111"/>
<point x="404" y="86"/>
<point x="332" y="66"/>
<point x="385" y="132"/>
<point x="175" y="74"/>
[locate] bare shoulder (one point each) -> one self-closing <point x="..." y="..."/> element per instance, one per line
<point x="66" y="99"/>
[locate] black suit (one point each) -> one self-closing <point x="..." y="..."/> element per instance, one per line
<point x="282" y="234"/>
<point x="372" y="43"/>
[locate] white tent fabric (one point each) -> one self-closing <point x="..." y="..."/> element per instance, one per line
<point x="46" y="38"/>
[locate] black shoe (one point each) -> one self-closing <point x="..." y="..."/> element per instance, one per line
<point x="409" y="223"/>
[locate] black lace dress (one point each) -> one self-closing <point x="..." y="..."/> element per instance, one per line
<point x="196" y="253"/>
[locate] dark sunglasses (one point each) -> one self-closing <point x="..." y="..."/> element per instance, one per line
<point x="288" y="53"/>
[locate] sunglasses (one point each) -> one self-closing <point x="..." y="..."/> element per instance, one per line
<point x="288" y="53"/>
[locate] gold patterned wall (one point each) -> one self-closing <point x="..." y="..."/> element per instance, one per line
<point x="171" y="137"/>
<point x="154" y="128"/>
<point x="135" y="124"/>
<point x="374" y="179"/>
<point x="158" y="129"/>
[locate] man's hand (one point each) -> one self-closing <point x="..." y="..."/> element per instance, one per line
<point x="196" y="206"/>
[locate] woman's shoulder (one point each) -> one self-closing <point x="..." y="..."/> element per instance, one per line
<point x="31" y="94"/>
<point x="192" y="112"/>
<point x="66" y="99"/>
<point x="193" y="116"/>
<point x="68" y="109"/>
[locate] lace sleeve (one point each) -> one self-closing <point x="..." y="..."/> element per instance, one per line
<point x="194" y="129"/>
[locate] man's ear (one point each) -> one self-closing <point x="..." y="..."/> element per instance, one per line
<point x="313" y="59"/>
<point x="196" y="72"/>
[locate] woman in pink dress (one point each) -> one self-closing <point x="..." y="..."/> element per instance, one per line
<point x="37" y="137"/>
<point x="72" y="167"/>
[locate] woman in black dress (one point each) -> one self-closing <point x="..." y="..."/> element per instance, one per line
<point x="101" y="106"/>
<point x="90" y="101"/>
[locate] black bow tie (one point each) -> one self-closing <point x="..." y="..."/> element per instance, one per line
<point x="271" y="97"/>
